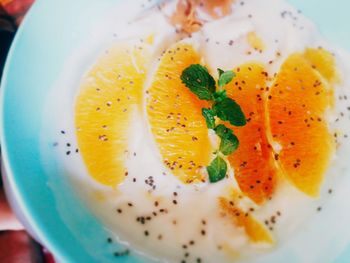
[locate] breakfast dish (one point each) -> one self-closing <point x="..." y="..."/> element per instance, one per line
<point x="210" y="131"/>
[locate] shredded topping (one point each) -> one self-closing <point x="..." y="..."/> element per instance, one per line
<point x="186" y="16"/>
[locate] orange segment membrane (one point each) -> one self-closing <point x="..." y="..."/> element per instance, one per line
<point x="297" y="103"/>
<point x="256" y="232"/>
<point x="110" y="93"/>
<point x="253" y="161"/>
<point x="175" y="117"/>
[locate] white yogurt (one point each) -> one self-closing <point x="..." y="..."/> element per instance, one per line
<point x="178" y="218"/>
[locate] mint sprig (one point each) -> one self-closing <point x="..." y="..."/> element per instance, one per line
<point x="197" y="78"/>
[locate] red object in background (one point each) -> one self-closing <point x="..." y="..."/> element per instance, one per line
<point x="16" y="8"/>
<point x="48" y="256"/>
<point x="16" y="246"/>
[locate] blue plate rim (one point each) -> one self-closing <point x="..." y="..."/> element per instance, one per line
<point x="57" y="251"/>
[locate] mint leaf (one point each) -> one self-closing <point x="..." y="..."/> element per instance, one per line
<point x="217" y="170"/>
<point x="229" y="144"/>
<point x="229" y="110"/>
<point x="225" y="77"/>
<point x="209" y="116"/>
<point x="199" y="81"/>
<point x="222" y="131"/>
<point x="220" y="71"/>
<point x="220" y="95"/>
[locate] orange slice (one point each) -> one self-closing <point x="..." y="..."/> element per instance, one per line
<point x="175" y="117"/>
<point x="297" y="104"/>
<point x="110" y="93"/>
<point x="322" y="61"/>
<point x="253" y="161"/>
<point x="256" y="231"/>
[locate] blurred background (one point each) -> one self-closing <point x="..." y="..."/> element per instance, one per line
<point x="16" y="246"/>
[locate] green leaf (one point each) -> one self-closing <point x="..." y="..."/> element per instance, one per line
<point x="209" y="116"/>
<point x="229" y="144"/>
<point x="229" y="110"/>
<point x="217" y="170"/>
<point x="225" y="77"/>
<point x="222" y="131"/>
<point x="199" y="81"/>
<point x="220" y="95"/>
<point x="220" y="71"/>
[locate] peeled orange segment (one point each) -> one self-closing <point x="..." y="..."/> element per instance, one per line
<point x="109" y="95"/>
<point x="256" y="231"/>
<point x="297" y="104"/>
<point x="323" y="61"/>
<point x="175" y="117"/>
<point x="253" y="161"/>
